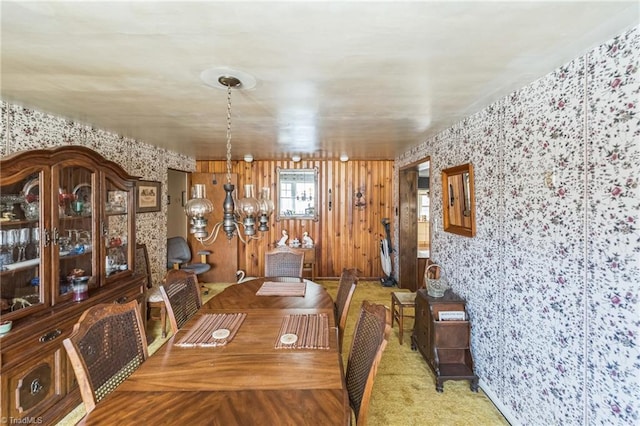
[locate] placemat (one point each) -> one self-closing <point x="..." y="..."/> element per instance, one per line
<point x="202" y="332"/>
<point x="274" y="288"/>
<point x="311" y="331"/>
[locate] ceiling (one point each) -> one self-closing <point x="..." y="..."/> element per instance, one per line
<point x="365" y="79"/>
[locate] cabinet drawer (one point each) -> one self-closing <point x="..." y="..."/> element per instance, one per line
<point x="129" y="295"/>
<point x="35" y="387"/>
<point x="451" y="334"/>
<point x="309" y="255"/>
<point x="32" y="346"/>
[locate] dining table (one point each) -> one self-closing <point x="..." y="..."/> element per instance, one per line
<point x="254" y="375"/>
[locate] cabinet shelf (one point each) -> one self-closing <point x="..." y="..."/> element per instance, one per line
<point x="14" y="223"/>
<point x="72" y="255"/>
<point x="19" y="266"/>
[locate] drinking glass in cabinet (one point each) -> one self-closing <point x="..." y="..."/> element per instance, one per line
<point x="35" y="239"/>
<point x="24" y="238"/>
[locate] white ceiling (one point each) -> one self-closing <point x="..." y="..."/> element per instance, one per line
<point x="369" y="79"/>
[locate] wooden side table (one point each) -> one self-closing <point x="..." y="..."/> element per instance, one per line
<point x="309" y="263"/>
<point x="444" y="344"/>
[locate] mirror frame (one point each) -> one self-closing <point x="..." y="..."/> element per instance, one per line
<point x="449" y="200"/>
<point x="278" y="212"/>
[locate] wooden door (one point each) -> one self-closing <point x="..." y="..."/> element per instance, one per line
<point x="224" y="256"/>
<point x="408" y="229"/>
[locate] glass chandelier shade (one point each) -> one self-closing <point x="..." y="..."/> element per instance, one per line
<point x="197" y="208"/>
<point x="266" y="208"/>
<point x="247" y="210"/>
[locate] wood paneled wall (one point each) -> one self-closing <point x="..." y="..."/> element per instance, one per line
<point x="345" y="236"/>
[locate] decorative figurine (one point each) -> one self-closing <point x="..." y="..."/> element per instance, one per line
<point x="241" y="275"/>
<point x="306" y="240"/>
<point x="283" y="240"/>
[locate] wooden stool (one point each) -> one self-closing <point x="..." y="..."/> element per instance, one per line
<point x="400" y="301"/>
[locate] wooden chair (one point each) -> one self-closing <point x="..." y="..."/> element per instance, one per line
<point x="107" y="344"/>
<point x="142" y="264"/>
<point x="346" y="288"/>
<point x="283" y="263"/>
<point x="156" y="309"/>
<point x="181" y="294"/>
<point x="370" y="338"/>
<point x="401" y="301"/>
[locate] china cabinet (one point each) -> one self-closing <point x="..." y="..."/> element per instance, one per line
<point x="442" y="334"/>
<point x="67" y="238"/>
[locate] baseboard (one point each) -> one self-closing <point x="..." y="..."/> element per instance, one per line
<point x="506" y="411"/>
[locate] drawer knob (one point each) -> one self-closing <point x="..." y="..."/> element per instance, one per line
<point x="36" y="387"/>
<point x="122" y="300"/>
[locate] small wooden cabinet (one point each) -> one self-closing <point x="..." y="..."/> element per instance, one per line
<point x="444" y="344"/>
<point x="309" y="263"/>
<point x="67" y="233"/>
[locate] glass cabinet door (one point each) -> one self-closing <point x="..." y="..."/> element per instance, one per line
<point x="116" y="228"/>
<point x="74" y="233"/>
<point x="21" y="245"/>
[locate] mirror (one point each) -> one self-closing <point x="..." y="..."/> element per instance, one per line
<point x="458" y="200"/>
<point x="297" y="194"/>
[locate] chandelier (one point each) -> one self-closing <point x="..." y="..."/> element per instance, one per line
<point x="245" y="213"/>
<point x="304" y="196"/>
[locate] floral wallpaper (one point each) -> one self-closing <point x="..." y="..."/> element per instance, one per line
<point x="24" y="129"/>
<point x="552" y="277"/>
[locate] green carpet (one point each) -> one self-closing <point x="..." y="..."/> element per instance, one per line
<point x="404" y="390"/>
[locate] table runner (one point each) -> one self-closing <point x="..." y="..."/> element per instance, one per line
<point x="312" y="331"/>
<point x="201" y="333"/>
<point x="274" y="288"/>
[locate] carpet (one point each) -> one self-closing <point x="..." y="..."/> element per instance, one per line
<point x="404" y="391"/>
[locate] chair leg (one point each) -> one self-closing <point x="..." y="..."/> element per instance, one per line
<point x="400" y="322"/>
<point x="393" y="310"/>
<point x="163" y="320"/>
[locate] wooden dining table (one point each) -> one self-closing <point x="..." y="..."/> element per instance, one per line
<point x="247" y="381"/>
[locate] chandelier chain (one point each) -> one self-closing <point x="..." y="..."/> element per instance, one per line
<point x="229" y="133"/>
<point x="249" y="213"/>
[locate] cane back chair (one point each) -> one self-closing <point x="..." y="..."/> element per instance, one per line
<point x="107" y="344"/>
<point x="284" y="264"/>
<point x="181" y="294"/>
<point x="346" y="288"/>
<point x="370" y="338"/>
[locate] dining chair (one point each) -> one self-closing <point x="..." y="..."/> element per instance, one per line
<point x="346" y="288"/>
<point x="181" y="294"/>
<point x="156" y="309"/>
<point x="403" y="303"/>
<point x="370" y="338"/>
<point x="283" y="263"/>
<point x="107" y="344"/>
